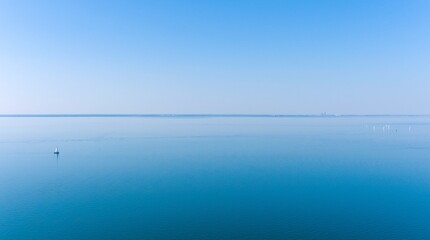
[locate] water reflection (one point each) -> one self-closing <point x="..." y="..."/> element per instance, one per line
<point x="215" y="179"/>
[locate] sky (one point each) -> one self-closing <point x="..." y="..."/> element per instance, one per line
<point x="215" y="57"/>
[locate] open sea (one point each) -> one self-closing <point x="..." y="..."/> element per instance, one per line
<point x="201" y="177"/>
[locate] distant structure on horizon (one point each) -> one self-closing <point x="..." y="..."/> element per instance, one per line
<point x="324" y="114"/>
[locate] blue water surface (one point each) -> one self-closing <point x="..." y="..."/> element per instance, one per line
<point x="215" y="178"/>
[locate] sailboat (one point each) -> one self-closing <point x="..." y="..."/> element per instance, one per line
<point x="56" y="151"/>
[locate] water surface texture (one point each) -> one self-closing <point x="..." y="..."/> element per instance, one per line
<point x="215" y="178"/>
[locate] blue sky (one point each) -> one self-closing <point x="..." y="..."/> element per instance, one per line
<point x="243" y="56"/>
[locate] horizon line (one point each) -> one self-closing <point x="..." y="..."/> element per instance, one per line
<point x="165" y="115"/>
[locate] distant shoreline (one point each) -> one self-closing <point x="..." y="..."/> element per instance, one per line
<point x="207" y="115"/>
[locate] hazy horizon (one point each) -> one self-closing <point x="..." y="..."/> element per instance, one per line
<point x="215" y="115"/>
<point x="215" y="57"/>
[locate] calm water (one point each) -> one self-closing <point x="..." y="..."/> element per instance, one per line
<point x="215" y="178"/>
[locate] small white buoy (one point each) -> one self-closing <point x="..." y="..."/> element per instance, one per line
<point x="56" y="151"/>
